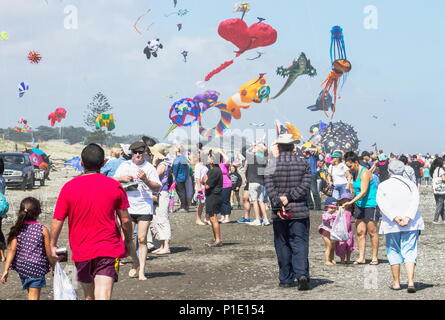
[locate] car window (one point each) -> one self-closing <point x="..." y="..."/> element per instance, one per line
<point x="14" y="160"/>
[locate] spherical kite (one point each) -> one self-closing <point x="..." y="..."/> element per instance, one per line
<point x="340" y="136"/>
<point x="34" y="57"/>
<point x="244" y="38"/>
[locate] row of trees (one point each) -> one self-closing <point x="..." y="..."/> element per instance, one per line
<point x="71" y="134"/>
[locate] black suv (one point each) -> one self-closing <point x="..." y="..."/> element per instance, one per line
<point x="19" y="171"/>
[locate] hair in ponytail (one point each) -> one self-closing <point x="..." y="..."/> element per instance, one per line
<point x="29" y="211"/>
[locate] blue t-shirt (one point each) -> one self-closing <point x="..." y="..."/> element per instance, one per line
<point x="312" y="161"/>
<point x="109" y="169"/>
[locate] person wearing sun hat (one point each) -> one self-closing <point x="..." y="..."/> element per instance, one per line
<point x="343" y="249"/>
<point x="398" y="200"/>
<point x="160" y="228"/>
<point x="338" y="175"/>
<point x="288" y="180"/>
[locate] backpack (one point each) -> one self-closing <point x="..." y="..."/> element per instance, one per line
<point x="4" y="206"/>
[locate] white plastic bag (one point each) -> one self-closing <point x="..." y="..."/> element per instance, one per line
<point x="63" y="289"/>
<point x="339" y="230"/>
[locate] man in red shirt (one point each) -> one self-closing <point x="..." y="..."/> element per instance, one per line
<point x="93" y="203"/>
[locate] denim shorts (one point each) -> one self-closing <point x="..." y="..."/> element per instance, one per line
<point x="33" y="282"/>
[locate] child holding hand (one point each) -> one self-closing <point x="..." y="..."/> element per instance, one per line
<point x="328" y="218"/>
<point x="343" y="249"/>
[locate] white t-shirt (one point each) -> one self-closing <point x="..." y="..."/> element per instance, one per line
<point x="200" y="172"/>
<point x="338" y="173"/>
<point x="140" y="200"/>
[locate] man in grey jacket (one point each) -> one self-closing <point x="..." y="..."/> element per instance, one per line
<point x="288" y="180"/>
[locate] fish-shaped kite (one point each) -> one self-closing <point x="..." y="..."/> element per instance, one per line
<point x="318" y="106"/>
<point x="298" y="68"/>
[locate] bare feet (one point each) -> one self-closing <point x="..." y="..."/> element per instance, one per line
<point x="200" y="223"/>
<point x="142" y="277"/>
<point x="328" y="263"/>
<point x="333" y="262"/>
<point x="360" y="262"/>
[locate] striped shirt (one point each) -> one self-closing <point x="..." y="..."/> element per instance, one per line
<point x="288" y="176"/>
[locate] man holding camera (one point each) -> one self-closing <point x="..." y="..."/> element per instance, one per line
<point x="288" y="180"/>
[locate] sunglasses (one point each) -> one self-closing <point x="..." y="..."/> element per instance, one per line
<point x="138" y="152"/>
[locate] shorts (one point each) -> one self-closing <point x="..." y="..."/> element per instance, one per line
<point x="367" y="214"/>
<point x="141" y="217"/>
<point x="401" y="247"/>
<point x="256" y="192"/>
<point x="101" y="266"/>
<point x="213" y="204"/>
<point x="37" y="283"/>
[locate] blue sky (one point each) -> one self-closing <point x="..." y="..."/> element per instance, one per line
<point x="396" y="69"/>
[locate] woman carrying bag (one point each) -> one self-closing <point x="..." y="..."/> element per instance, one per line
<point x="438" y="176"/>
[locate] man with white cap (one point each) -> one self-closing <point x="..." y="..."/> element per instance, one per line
<point x="288" y="180"/>
<point x="398" y="200"/>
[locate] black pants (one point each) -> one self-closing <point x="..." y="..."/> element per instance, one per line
<point x="2" y="237"/>
<point x="315" y="193"/>
<point x="440" y="198"/>
<point x="291" y="239"/>
<point x="182" y="194"/>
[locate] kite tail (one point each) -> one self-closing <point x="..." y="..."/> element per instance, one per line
<point x="173" y="127"/>
<point x="335" y="99"/>
<point x="218" y="70"/>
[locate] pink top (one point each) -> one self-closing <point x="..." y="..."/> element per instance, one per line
<point x="90" y="203"/>
<point x="227" y="183"/>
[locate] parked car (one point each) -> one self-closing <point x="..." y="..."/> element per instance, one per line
<point x="19" y="171"/>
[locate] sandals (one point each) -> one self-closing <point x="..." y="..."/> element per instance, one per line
<point x="358" y="262"/>
<point x="214" y="244"/>
<point x="374" y="263"/>
<point x="411" y="289"/>
<point x="395" y="289"/>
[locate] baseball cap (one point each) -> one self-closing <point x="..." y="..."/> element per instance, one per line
<point x="336" y="155"/>
<point x="383" y="157"/>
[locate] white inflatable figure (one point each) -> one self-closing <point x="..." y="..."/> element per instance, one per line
<point x="152" y="48"/>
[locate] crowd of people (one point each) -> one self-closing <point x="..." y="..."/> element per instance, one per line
<point x="120" y="207"/>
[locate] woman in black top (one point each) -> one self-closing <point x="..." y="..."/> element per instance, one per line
<point x="213" y="188"/>
<point x="237" y="181"/>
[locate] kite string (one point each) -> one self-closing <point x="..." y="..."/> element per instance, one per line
<point x="138" y="19"/>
